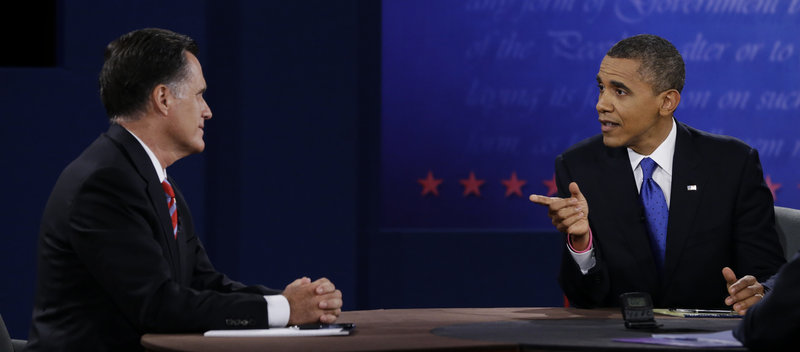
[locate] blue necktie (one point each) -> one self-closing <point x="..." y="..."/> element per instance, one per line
<point x="655" y="211"/>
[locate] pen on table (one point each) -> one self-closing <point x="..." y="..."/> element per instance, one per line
<point x="709" y="311"/>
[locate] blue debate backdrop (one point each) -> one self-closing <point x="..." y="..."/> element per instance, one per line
<point x="498" y="88"/>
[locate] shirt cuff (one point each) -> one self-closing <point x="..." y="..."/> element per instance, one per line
<point x="277" y="311"/>
<point x="588" y="248"/>
<point x="585" y="259"/>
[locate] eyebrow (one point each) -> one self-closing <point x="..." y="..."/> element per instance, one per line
<point x="619" y="84"/>
<point x="614" y="83"/>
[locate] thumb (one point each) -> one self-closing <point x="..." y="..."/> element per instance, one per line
<point x="729" y="276"/>
<point x="576" y="191"/>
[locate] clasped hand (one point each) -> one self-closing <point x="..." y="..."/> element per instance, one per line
<point x="313" y="302"/>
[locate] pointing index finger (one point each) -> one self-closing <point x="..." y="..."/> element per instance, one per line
<point x="543" y="200"/>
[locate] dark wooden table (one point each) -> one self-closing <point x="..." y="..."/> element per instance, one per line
<point x="462" y="329"/>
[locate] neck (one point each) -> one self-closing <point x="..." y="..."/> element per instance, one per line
<point x="659" y="134"/>
<point x="150" y="135"/>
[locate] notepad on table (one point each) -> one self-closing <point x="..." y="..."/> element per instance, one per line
<point x="714" y="339"/>
<point x="698" y="313"/>
<point x="278" y="332"/>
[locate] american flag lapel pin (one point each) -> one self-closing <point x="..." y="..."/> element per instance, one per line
<point x="691" y="187"/>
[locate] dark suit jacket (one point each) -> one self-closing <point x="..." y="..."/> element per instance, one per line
<point x="773" y="323"/>
<point x="109" y="269"/>
<point x="727" y="221"/>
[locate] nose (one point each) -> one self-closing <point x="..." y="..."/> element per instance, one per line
<point x="206" y="111"/>
<point x="603" y="103"/>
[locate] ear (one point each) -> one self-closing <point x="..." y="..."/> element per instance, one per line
<point x="160" y="99"/>
<point x="669" y="102"/>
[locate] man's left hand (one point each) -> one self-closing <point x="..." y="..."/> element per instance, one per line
<point x="313" y="302"/>
<point x="744" y="292"/>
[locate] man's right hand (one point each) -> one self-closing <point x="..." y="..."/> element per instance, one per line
<point x="569" y="215"/>
<point x="313" y="302"/>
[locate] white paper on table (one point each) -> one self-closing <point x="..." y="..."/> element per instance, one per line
<point x="275" y="332"/>
<point x="720" y="338"/>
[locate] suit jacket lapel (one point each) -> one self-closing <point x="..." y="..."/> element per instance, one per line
<point x="620" y="180"/>
<point x="180" y="241"/>
<point x="620" y="185"/>
<point x="685" y="199"/>
<point x="141" y="161"/>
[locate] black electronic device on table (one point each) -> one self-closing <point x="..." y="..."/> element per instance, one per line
<point x="637" y="310"/>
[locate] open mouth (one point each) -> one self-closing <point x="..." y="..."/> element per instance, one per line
<point x="606" y="126"/>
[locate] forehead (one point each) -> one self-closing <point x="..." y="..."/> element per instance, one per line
<point x="625" y="71"/>
<point x="195" y="70"/>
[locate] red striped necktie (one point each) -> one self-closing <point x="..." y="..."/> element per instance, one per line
<point x="173" y="209"/>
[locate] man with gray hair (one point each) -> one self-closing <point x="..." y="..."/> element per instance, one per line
<point x="118" y="255"/>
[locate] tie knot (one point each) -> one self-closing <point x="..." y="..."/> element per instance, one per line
<point x="168" y="188"/>
<point x="648" y="166"/>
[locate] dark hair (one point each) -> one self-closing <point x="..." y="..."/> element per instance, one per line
<point x="661" y="63"/>
<point x="137" y="62"/>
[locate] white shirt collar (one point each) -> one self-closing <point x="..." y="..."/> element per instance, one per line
<point x="662" y="155"/>
<point x="162" y="172"/>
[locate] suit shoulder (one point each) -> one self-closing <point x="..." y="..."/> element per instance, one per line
<point x="717" y="144"/>
<point x="102" y="160"/>
<point x="584" y="148"/>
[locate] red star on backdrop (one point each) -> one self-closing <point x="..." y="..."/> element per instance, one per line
<point x="513" y="185"/>
<point x="472" y="185"/>
<point x="551" y="186"/>
<point x="430" y="184"/>
<point x="773" y="187"/>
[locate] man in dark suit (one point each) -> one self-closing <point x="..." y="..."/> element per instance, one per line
<point x="652" y="204"/>
<point x="773" y="323"/>
<point x="118" y="256"/>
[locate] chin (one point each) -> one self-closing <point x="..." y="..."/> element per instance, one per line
<point x="612" y="142"/>
<point x="198" y="147"/>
